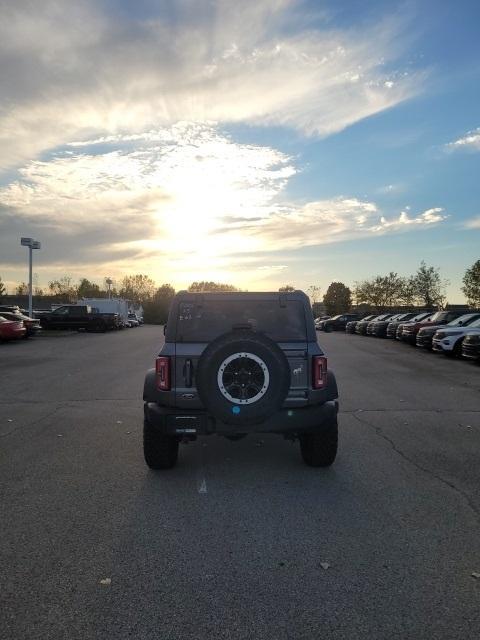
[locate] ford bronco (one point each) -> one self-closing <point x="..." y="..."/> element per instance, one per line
<point x="234" y="364"/>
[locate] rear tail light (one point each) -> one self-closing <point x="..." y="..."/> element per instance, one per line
<point x="319" y="372"/>
<point x="162" y="368"/>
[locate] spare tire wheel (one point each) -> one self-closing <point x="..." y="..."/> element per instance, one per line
<point x="243" y="377"/>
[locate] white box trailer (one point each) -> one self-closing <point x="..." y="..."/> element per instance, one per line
<point x="109" y="305"/>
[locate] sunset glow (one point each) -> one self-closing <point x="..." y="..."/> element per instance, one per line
<point x="263" y="147"/>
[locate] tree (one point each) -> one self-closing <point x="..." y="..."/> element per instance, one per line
<point x="87" y="289"/>
<point x="471" y="284"/>
<point x="139" y="288"/>
<point x="22" y="289"/>
<point x="428" y="287"/>
<point x="287" y="288"/>
<point x="314" y="294"/>
<point x="203" y="286"/>
<point x="156" y="310"/>
<point x="384" y="291"/>
<point x="338" y="298"/>
<point x="3" y="290"/>
<point x="369" y="292"/>
<point x="63" y="289"/>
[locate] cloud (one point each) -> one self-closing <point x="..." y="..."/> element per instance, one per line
<point x="90" y="72"/>
<point x="473" y="223"/>
<point x="470" y="140"/>
<point x="326" y="221"/>
<point x="391" y="189"/>
<point x="154" y="204"/>
<point x="181" y="200"/>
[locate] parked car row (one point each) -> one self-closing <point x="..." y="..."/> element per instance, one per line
<point x="452" y="332"/>
<point x="16" y="324"/>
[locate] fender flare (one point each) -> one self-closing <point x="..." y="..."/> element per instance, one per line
<point x="332" y="389"/>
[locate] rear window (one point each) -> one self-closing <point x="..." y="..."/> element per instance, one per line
<point x="205" y="322"/>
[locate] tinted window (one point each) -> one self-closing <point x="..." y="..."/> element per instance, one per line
<point x="205" y="322"/>
<point x="463" y="320"/>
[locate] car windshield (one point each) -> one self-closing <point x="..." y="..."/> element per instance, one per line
<point x="438" y="315"/>
<point x="474" y="325"/>
<point x="466" y="319"/>
<point x="204" y="322"/>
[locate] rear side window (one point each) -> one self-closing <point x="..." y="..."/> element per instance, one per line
<point x="205" y="322"/>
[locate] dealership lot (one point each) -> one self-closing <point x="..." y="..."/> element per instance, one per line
<point x="241" y="540"/>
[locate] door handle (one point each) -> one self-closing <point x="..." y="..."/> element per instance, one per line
<point x="188" y="373"/>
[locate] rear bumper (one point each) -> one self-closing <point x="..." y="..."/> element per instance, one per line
<point x="172" y="421"/>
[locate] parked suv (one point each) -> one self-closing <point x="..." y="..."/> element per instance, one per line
<point x="240" y="363"/>
<point x="380" y="327"/>
<point x="425" y="334"/>
<point x="338" y="323"/>
<point x="351" y="326"/>
<point x="449" y="340"/>
<point x="395" y="327"/>
<point x="411" y="329"/>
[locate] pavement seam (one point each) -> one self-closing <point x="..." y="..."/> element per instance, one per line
<point x="415" y="464"/>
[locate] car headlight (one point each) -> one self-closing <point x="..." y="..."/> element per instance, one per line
<point x="446" y="334"/>
<point x="473" y="339"/>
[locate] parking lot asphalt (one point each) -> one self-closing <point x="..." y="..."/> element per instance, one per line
<point x="240" y="540"/>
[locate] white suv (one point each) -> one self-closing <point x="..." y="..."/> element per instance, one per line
<point x="449" y="340"/>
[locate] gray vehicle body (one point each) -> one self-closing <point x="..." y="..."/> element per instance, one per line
<point x="179" y="411"/>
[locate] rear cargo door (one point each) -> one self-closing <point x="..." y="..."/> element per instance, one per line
<point x="201" y="322"/>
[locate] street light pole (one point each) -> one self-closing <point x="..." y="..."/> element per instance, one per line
<point x="31" y="244"/>
<point x="30" y="284"/>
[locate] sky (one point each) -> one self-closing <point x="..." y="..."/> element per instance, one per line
<point x="257" y="143"/>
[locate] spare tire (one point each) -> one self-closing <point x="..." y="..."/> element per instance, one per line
<point x="243" y="377"/>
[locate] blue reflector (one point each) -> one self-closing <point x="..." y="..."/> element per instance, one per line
<point x="236" y="410"/>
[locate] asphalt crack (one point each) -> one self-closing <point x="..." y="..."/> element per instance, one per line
<point x="429" y="472"/>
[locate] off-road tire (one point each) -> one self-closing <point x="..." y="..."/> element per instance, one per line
<point x="320" y="449"/>
<point x="208" y="368"/>
<point x="160" y="451"/>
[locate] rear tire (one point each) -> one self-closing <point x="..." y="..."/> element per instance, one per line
<point x="320" y="449"/>
<point x="160" y="451"/>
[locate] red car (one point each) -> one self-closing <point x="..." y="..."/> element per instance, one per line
<point x="32" y="325"/>
<point x="11" y="329"/>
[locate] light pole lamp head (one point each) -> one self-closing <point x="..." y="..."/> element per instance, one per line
<point x="30" y="242"/>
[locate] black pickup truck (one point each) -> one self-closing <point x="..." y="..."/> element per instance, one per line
<point x="75" y="317"/>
